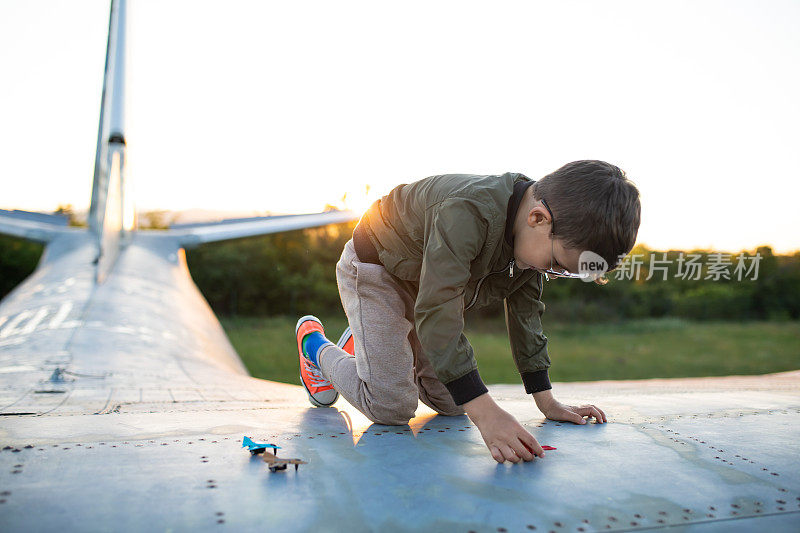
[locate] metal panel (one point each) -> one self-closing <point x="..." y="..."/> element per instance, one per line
<point x="695" y="465"/>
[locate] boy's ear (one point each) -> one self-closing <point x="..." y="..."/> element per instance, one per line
<point x="538" y="215"/>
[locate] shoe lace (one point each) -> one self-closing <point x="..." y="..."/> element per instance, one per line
<point x="314" y="375"/>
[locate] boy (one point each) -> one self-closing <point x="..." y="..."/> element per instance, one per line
<point x="428" y="251"/>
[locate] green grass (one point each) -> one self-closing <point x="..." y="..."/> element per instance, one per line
<point x="663" y="348"/>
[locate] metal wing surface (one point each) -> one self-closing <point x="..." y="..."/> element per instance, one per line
<point x="123" y="407"/>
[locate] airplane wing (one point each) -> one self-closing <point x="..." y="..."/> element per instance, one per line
<point x="123" y="407"/>
<point x="195" y="234"/>
<point x="37" y="227"/>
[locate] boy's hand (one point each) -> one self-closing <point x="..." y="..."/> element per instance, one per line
<point x="555" y="410"/>
<point x="503" y="435"/>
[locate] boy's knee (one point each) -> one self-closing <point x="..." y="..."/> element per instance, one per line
<point x="396" y="414"/>
<point x="452" y="410"/>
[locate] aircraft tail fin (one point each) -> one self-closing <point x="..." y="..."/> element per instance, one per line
<point x="111" y="213"/>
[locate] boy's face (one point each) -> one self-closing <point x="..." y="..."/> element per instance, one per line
<point x="534" y="247"/>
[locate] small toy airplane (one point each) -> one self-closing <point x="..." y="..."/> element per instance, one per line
<point x="276" y="464"/>
<point x="257" y="447"/>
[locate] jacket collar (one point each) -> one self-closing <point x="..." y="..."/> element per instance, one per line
<point x="520" y="186"/>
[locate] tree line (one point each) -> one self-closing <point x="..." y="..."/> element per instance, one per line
<point x="293" y="273"/>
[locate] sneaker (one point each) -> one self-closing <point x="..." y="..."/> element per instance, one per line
<point x="346" y="342"/>
<point x="320" y="391"/>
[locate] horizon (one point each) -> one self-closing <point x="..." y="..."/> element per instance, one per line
<point x="214" y="215"/>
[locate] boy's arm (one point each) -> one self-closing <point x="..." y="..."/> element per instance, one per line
<point x="524" y="310"/>
<point x="455" y="233"/>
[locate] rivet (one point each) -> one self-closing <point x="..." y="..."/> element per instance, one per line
<point x="558" y="524"/>
<point x="531" y="526"/>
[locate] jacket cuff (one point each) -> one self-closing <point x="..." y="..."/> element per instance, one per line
<point x="466" y="387"/>
<point x="536" y="381"/>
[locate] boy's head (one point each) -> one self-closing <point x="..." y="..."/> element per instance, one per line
<point x="587" y="206"/>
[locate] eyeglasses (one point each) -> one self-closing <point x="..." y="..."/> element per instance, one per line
<point x="563" y="273"/>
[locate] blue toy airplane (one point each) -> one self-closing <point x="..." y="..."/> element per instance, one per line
<point x="258" y="447"/>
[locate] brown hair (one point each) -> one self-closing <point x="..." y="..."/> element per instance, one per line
<point x="595" y="207"/>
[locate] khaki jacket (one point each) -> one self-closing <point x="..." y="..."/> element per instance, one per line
<point x="445" y="235"/>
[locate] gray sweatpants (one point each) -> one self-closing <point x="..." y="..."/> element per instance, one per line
<point x="389" y="371"/>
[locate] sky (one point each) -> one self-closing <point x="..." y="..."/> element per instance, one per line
<point x="286" y="106"/>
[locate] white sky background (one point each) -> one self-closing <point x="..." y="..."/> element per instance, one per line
<point x="285" y="106"/>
